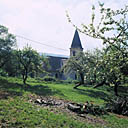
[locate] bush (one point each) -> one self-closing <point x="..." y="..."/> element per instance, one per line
<point x="39" y="78"/>
<point x="68" y="80"/>
<point x="49" y="78"/>
<point x="94" y="109"/>
<point x="118" y="105"/>
<point x="75" y="81"/>
<point x="3" y="73"/>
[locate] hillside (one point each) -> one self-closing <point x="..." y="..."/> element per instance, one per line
<point x="18" y="107"/>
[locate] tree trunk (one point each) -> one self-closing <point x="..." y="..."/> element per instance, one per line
<point x="82" y="78"/>
<point x="77" y="85"/>
<point x="24" y="82"/>
<point x="115" y="89"/>
<point x="81" y="82"/>
<point x="25" y="76"/>
<point x="100" y="84"/>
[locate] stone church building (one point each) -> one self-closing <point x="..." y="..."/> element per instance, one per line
<point x="56" y="62"/>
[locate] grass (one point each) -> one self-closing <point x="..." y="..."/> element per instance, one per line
<point x="16" y="111"/>
<point x="19" y="113"/>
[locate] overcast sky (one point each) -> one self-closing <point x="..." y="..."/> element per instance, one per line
<point x="45" y="21"/>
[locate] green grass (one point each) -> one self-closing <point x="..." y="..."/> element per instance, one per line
<point x="64" y="91"/>
<point x="19" y="113"/>
<point x="16" y="111"/>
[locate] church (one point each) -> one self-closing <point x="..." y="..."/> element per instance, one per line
<point x="56" y="62"/>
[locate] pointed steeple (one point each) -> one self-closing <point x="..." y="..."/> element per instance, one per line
<point x="76" y="43"/>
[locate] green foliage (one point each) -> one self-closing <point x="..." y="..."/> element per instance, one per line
<point x="85" y="65"/>
<point x="7" y="41"/>
<point x="79" y="64"/>
<point x="2" y="73"/>
<point x="75" y="81"/>
<point x="75" y="63"/>
<point x="92" y="60"/>
<point x="68" y="80"/>
<point x="118" y="105"/>
<point x="30" y="62"/>
<point x="112" y="28"/>
<point x="49" y="78"/>
<point x="12" y="66"/>
<point x="110" y="66"/>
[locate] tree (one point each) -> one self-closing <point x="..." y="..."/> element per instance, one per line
<point x="80" y="64"/>
<point x="112" y="29"/>
<point x="92" y="59"/>
<point x="7" y="41"/>
<point x="30" y="61"/>
<point x="12" y="66"/>
<point x="76" y="64"/>
<point x="112" y="67"/>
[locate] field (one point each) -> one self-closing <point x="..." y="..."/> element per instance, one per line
<point x="18" y="110"/>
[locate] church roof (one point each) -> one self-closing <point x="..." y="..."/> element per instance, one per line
<point x="76" y="43"/>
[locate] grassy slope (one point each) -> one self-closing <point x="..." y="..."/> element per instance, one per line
<point x="15" y="111"/>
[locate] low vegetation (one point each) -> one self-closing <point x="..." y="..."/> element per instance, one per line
<point x="16" y="110"/>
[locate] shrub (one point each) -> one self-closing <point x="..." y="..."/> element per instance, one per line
<point x="94" y="109"/>
<point x="75" y="81"/>
<point x="118" y="105"/>
<point x="3" y="73"/>
<point x="49" y="78"/>
<point x="68" y="80"/>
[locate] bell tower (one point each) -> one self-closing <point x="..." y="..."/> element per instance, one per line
<point x="76" y="44"/>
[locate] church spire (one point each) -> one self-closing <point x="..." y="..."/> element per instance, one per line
<point x="76" y="43"/>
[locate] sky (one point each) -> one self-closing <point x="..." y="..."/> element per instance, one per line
<point x="45" y="22"/>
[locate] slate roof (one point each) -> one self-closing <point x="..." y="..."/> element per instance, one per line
<point x="76" y="43"/>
